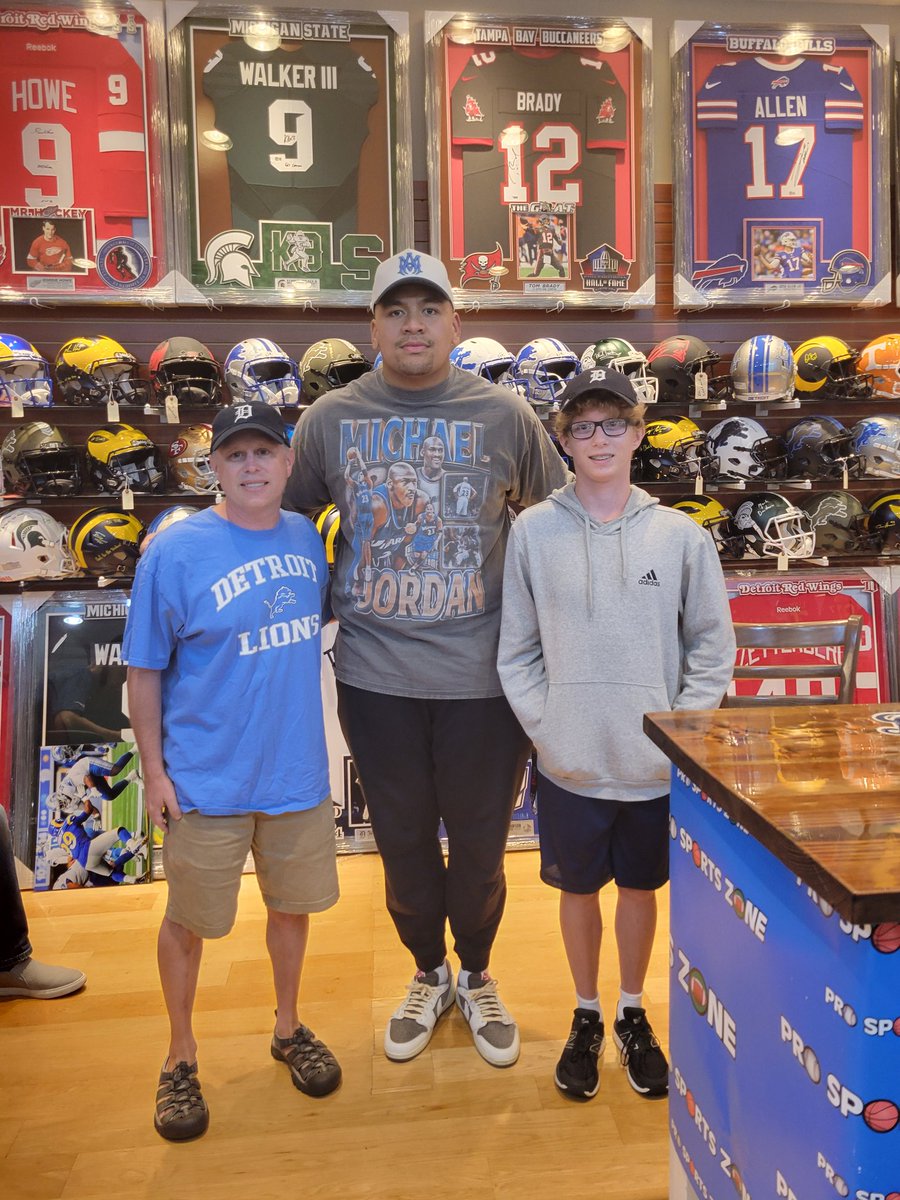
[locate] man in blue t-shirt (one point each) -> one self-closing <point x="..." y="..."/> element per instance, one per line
<point x="224" y="657"/>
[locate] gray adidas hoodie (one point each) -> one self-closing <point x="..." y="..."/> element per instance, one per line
<point x="603" y="622"/>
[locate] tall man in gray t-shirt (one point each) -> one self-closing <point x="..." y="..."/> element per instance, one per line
<point x="419" y="698"/>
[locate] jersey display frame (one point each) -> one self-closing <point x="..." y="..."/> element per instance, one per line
<point x="540" y="162"/>
<point x="781" y="164"/>
<point x="291" y="131"/>
<point x="86" y="180"/>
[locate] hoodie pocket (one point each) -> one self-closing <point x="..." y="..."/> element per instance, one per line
<point x="592" y="734"/>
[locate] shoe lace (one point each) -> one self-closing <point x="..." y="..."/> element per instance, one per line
<point x="306" y="1047"/>
<point x="489" y="1004"/>
<point x="638" y="1040"/>
<point x="182" y="1091"/>
<point x="582" y="1039"/>
<point x="418" y="997"/>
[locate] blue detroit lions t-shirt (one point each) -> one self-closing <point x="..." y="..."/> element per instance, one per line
<point x="232" y="618"/>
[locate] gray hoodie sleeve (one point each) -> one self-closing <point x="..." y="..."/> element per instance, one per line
<point x="706" y="629"/>
<point x="520" y="658"/>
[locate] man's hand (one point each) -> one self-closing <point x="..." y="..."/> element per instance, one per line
<point x="162" y="803"/>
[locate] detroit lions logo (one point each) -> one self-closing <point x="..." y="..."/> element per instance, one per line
<point x="283" y="597"/>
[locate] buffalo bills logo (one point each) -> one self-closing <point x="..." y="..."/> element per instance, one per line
<point x="781" y="81"/>
<point x="724" y="272"/>
<point x="283" y="597"/>
<point x="472" y="109"/>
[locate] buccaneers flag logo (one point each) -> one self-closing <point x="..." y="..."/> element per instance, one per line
<point x="483" y="266"/>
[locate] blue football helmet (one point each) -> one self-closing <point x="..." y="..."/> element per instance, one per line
<point x="483" y="356"/>
<point x="258" y="369"/>
<point x="543" y="367"/>
<point x="847" y="271"/>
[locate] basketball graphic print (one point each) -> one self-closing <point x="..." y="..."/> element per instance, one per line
<point x="886" y="937"/>
<point x="881" y="1116"/>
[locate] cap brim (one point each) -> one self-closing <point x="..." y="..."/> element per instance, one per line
<point x="248" y="427"/>
<point x="398" y="283"/>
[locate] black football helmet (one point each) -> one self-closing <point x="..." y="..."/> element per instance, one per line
<point x="840" y="524"/>
<point x="675" y="361"/>
<point x="820" y="448"/>
<point x="184" y="368"/>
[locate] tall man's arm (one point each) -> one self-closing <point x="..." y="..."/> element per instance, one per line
<point x="145" y="707"/>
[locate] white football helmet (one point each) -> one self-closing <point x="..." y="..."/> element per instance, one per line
<point x="33" y="545"/>
<point x="544" y="367"/>
<point x="483" y="356"/>
<point x="258" y="369"/>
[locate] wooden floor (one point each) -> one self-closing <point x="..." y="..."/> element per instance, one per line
<point x="78" y="1075"/>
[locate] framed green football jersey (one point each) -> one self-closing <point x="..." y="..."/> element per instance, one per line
<point x="289" y="183"/>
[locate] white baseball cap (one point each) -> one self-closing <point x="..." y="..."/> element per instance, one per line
<point x="410" y="266"/>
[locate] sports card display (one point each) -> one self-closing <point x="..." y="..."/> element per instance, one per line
<point x="539" y="159"/>
<point x="292" y="185"/>
<point x="82" y="123"/>
<point x="781" y="165"/>
<point x="84" y="676"/>
<point x="92" y="826"/>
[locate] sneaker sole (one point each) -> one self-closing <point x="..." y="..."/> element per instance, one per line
<point x="317" y="1091"/>
<point x="64" y="989"/>
<point x="646" y="1092"/>
<point x="398" y="1052"/>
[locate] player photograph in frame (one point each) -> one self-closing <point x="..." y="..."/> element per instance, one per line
<point x="781" y="164"/>
<point x="81" y="88"/>
<point x="292" y="184"/>
<point x="534" y="124"/>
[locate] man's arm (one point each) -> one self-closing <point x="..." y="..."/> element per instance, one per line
<point x="307" y="489"/>
<point x="542" y="470"/>
<point x="145" y="707"/>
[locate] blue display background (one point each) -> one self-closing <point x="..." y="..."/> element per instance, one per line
<point x="784" y="1024"/>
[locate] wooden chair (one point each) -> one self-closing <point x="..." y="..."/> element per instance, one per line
<point x="799" y="635"/>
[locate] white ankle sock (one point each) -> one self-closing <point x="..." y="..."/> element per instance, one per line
<point x="628" y="1000"/>
<point x="442" y="972"/>
<point x="590" y="1005"/>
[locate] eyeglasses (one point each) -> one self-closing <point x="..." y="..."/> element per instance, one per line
<point x="611" y="426"/>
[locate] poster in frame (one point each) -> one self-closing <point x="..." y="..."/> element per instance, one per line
<point x="782" y="165"/>
<point x="86" y="183"/>
<point x="540" y="159"/>
<point x="291" y="133"/>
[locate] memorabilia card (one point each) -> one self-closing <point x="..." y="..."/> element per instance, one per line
<point x="540" y="166"/>
<point x="781" y="165"/>
<point x="84" y="675"/>
<point x="292" y="139"/>
<point x="92" y="825"/>
<point x="85" y="179"/>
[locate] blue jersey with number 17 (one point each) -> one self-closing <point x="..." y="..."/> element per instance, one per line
<point x="777" y="136"/>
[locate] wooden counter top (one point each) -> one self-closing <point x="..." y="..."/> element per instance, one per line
<point x="818" y="786"/>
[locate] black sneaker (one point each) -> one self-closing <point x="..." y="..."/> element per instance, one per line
<point x="181" y="1112"/>
<point x="641" y="1054"/>
<point x="577" y="1072"/>
<point x="314" y="1069"/>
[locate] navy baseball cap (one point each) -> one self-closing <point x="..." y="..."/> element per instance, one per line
<point x="253" y="417"/>
<point x="410" y="266"/>
<point x="602" y="382"/>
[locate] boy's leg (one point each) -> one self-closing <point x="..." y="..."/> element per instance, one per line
<point x="581" y="925"/>
<point x="635" y="931"/>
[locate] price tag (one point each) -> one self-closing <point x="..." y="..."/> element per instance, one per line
<point x="112" y="410"/>
<point x="171" y="404"/>
<point x="18" y="409"/>
<point x="701" y="386"/>
<point x="698" y="485"/>
<point x="783" y="561"/>
<point x="128" y="500"/>
<point x="845" y="478"/>
<point x="220" y="497"/>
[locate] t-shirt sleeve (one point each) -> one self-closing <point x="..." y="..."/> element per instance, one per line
<point x="149" y="633"/>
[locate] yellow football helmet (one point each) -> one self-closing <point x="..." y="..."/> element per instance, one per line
<point x="120" y="456"/>
<point x="106" y="541"/>
<point x="712" y="516"/>
<point x="328" y="523"/>
<point x="96" y="369"/>
<point x="826" y="367"/>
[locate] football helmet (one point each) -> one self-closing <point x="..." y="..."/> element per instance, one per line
<point x="483" y="356"/>
<point x="840" y="523"/>
<point x="328" y="523"/>
<point x="618" y="355"/>
<point x="763" y="370"/>
<point x="33" y="545"/>
<point x="543" y="367"/>
<point x="106" y="541"/>
<point x="184" y="368"/>
<point x="96" y="369"/>
<point x="788" y="239"/>
<point x="826" y="366"/>
<point x="169" y="516"/>
<point x="258" y="369"/>
<point x="772" y="526"/>
<point x="675" y="361"/>
<point x="848" y="270"/>
<point x="744" y="450"/>
<point x="876" y="440"/>
<point x="820" y="448"/>
<point x="673" y="448"/>
<point x="330" y="363"/>
<point x="120" y="456"/>
<point x="38" y="460"/>
<point x="188" y="466"/>
<point x="880" y="363"/>
<point x="884" y="522"/>
<point x="712" y="516"/>
<point x="24" y="373"/>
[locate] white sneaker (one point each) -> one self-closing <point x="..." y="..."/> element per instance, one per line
<point x="409" y="1030"/>
<point x="495" y="1033"/>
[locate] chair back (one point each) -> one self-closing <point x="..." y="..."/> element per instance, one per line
<point x="799" y="635"/>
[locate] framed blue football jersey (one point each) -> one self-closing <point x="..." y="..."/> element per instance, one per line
<point x="290" y="135"/>
<point x="781" y="165"/>
<point x="540" y="170"/>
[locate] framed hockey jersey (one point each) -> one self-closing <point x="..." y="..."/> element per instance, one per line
<point x="540" y="171"/>
<point x="781" y="165"/>
<point x="292" y="135"/>
<point x="86" y="176"/>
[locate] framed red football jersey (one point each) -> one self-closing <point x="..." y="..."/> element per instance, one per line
<point x="781" y="164"/>
<point x="86" y="163"/>
<point x="293" y="175"/>
<point x="540" y="170"/>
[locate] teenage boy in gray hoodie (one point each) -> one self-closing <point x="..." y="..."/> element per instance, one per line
<point x="612" y="607"/>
